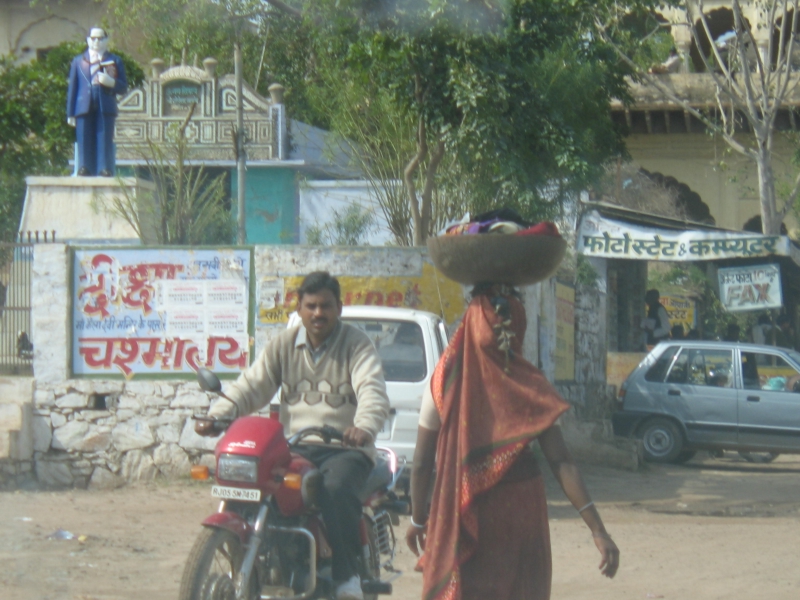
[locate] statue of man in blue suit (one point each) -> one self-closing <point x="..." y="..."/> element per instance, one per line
<point x="95" y="79"/>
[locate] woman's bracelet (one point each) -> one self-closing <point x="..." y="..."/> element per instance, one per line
<point x="602" y="534"/>
<point x="583" y="508"/>
<point x="417" y="525"/>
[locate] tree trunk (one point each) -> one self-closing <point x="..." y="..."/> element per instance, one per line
<point x="770" y="220"/>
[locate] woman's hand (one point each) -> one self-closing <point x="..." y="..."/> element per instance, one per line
<point x="610" y="553"/>
<point x="415" y="538"/>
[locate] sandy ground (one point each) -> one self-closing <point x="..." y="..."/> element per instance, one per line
<point x="712" y="529"/>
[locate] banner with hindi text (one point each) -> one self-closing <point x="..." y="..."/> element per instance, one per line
<point x="168" y="311"/>
<point x="603" y="237"/>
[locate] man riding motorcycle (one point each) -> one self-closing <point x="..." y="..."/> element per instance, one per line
<point x="329" y="373"/>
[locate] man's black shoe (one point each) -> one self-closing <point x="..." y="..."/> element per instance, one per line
<point x="83" y="172"/>
<point x="105" y="173"/>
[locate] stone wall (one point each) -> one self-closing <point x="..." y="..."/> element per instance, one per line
<point x="106" y="433"/>
<point x="16" y="432"/>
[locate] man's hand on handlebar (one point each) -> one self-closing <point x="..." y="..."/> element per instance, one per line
<point x="206" y="428"/>
<point x="353" y="436"/>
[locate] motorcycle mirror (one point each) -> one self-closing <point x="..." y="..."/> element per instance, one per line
<point x="208" y="381"/>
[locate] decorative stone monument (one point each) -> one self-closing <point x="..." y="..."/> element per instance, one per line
<point x="148" y="113"/>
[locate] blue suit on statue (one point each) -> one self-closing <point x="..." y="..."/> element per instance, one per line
<point x="94" y="107"/>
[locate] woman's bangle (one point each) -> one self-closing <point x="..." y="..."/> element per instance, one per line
<point x="602" y="534"/>
<point x="580" y="510"/>
<point x="417" y="525"/>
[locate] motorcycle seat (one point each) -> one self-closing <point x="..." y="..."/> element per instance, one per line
<point x="379" y="478"/>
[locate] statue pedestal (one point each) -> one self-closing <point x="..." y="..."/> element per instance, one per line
<point x="78" y="209"/>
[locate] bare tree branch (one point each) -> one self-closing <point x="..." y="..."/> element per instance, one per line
<point x="669" y="94"/>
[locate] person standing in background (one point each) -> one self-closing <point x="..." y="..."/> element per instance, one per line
<point x="656" y="325"/>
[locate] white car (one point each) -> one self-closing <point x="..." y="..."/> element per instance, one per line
<point x="410" y="343"/>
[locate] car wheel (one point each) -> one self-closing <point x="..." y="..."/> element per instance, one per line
<point x="662" y="440"/>
<point x="684" y="456"/>
<point x="759" y="457"/>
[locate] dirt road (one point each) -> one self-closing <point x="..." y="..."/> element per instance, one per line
<point x="712" y="529"/>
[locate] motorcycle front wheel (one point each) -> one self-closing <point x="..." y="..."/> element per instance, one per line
<point x="212" y="567"/>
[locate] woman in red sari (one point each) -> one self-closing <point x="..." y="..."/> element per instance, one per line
<point x="487" y="534"/>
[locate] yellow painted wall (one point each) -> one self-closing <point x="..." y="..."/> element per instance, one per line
<point x="731" y="190"/>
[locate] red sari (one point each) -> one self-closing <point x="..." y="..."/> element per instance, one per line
<point x="487" y="534"/>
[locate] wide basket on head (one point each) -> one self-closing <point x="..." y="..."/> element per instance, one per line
<point x="497" y="258"/>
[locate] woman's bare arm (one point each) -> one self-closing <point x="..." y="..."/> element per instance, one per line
<point x="421" y="480"/>
<point x="569" y="477"/>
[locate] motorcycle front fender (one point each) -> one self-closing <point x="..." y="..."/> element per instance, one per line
<point x="231" y="522"/>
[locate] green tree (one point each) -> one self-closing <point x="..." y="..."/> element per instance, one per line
<point x="508" y="101"/>
<point x="34" y="136"/>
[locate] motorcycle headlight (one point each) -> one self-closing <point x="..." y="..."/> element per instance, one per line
<point x="237" y="468"/>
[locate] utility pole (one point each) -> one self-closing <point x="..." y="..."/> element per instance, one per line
<point x="241" y="235"/>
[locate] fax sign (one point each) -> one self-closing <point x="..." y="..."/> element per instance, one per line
<point x="753" y="287"/>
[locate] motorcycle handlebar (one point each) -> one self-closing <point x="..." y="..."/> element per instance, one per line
<point x="326" y="432"/>
<point x="217" y="425"/>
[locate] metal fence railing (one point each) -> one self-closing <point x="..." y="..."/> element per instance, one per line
<point x="16" y="348"/>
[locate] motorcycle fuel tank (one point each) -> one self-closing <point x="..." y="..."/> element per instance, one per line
<point x="260" y="438"/>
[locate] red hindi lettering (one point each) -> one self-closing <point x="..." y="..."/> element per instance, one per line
<point x="233" y="356"/>
<point x="150" y="357"/>
<point x="91" y="354"/>
<point x="126" y="355"/>
<point x="98" y="292"/>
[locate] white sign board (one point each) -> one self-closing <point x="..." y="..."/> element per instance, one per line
<point x="754" y="287"/>
<point x="602" y="237"/>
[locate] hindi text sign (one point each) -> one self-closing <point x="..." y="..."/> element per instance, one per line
<point x="159" y="311"/>
<point x="753" y="287"/>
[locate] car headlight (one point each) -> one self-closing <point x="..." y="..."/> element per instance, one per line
<point x="237" y="468"/>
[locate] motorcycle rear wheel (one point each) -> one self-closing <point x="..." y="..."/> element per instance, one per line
<point x="212" y="567"/>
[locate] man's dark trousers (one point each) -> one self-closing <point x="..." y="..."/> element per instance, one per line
<point x="95" y="133"/>
<point x="344" y="474"/>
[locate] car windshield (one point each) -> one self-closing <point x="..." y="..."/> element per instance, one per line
<point x="400" y="346"/>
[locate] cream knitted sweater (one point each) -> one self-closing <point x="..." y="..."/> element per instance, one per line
<point x="344" y="388"/>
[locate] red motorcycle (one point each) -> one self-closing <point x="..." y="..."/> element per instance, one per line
<point x="267" y="540"/>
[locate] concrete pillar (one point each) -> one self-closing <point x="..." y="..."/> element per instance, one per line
<point x="681" y="34"/>
<point x="50" y="293"/>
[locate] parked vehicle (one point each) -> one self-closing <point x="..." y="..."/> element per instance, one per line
<point x="692" y="395"/>
<point x="267" y="539"/>
<point x="410" y="343"/>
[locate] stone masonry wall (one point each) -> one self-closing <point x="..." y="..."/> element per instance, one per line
<point x="106" y="433"/>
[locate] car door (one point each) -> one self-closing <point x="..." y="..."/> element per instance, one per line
<point x="769" y="408"/>
<point x="701" y="393"/>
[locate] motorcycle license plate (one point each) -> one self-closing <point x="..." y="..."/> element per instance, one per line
<point x="232" y="493"/>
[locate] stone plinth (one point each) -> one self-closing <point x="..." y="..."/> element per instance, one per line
<point x="78" y="209"/>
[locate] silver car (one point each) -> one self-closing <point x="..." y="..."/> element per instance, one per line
<point x="691" y="395"/>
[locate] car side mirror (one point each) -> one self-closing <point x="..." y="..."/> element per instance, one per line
<point x="208" y="381"/>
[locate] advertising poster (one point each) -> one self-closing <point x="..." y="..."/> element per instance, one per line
<point x="565" y="332"/>
<point x="148" y="312"/>
<point x="681" y="311"/>
<point x="277" y="296"/>
<point x="754" y="287"/>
